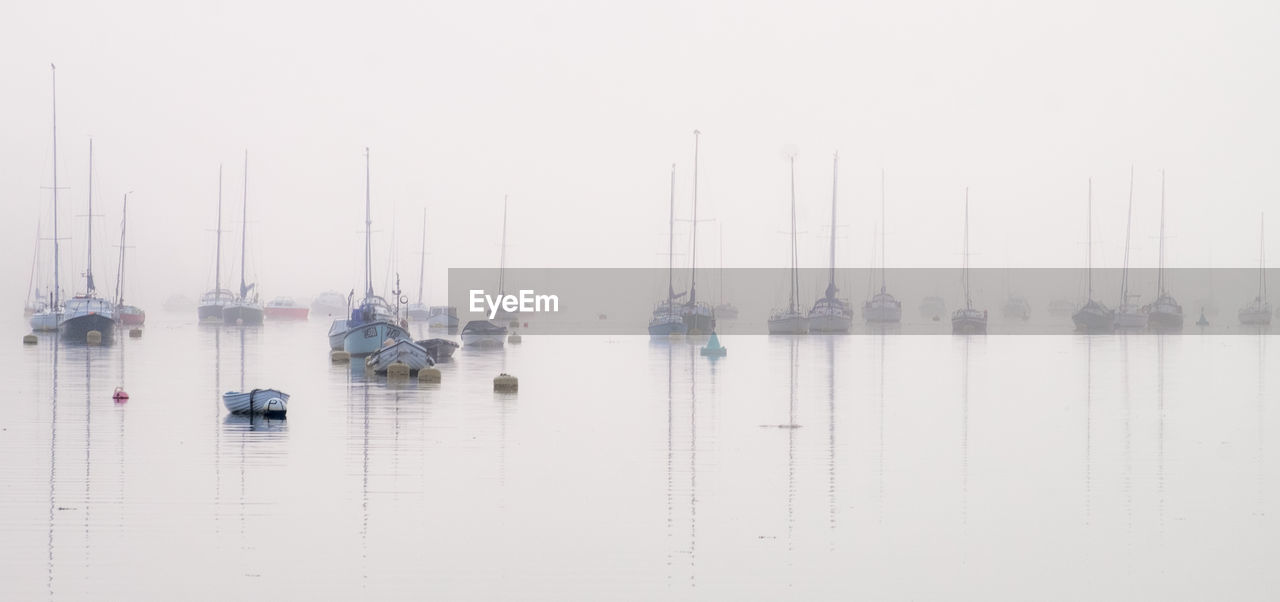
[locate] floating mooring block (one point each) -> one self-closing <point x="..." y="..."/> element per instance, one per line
<point x="339" y="356"/>
<point x="429" y="375"/>
<point x="135" y="333"/>
<point x="505" y="382"/>
<point x="93" y="337"/>
<point x="29" y="339"/>
<point x="398" y="370"/>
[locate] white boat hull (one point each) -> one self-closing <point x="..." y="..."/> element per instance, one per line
<point x="1126" y="319"/>
<point x="405" y="352"/>
<point x="830" y="323"/>
<point x="337" y="332"/>
<point x="969" y="321"/>
<point x="257" y="401"/>
<point x="484" y="340"/>
<point x="367" y="338"/>
<point x="45" y="321"/>
<point x="795" y="324"/>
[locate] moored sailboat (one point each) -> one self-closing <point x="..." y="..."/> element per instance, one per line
<point x="1164" y="313"/>
<point x="967" y="320"/>
<point x="882" y="307"/>
<point x="1258" y="313"/>
<point x="373" y="322"/>
<point x="1129" y="315"/>
<point x="46" y="319"/>
<point x="211" y="303"/>
<point x="88" y="312"/>
<point x="128" y="315"/>
<point x="418" y="311"/>
<point x="1093" y="316"/>
<point x="789" y="319"/>
<point x="831" y="314"/>
<point x="486" y="333"/>
<point x="667" y="318"/>
<point x="698" y="316"/>
<point x="245" y="309"/>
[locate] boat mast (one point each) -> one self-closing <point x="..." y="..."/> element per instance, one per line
<point x="1262" y="260"/>
<point x="502" y="259"/>
<point x="795" y="280"/>
<point x="422" y="263"/>
<point x="244" y="225"/>
<point x="968" y="302"/>
<point x="831" y="273"/>
<point x="57" y="281"/>
<point x="693" y="254"/>
<point x="884" y="263"/>
<point x="124" y="216"/>
<point x="671" y="244"/>
<point x="1090" y="229"/>
<point x="1160" y="268"/>
<point x="217" y="262"/>
<point x="368" y="236"/>
<point x="88" y="271"/>
<point x="1128" y="228"/>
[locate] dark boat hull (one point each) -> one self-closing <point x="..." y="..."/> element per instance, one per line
<point x="697" y="323"/>
<point x="77" y="329"/>
<point x="440" y="350"/>
<point x="209" y="313"/>
<point x="1164" y="321"/>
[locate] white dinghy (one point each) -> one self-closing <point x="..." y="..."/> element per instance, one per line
<point x="406" y="352"/>
<point x="269" y="402"/>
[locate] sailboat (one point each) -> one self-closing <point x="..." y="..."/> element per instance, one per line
<point x="1164" y="313"/>
<point x="128" y="315"/>
<point x="1258" y="313"/>
<point x="418" y="311"/>
<point x="1094" y="316"/>
<point x="789" y="320"/>
<point x="35" y="303"/>
<point x="698" y="316"/>
<point x="882" y="307"/>
<point x="48" y="318"/>
<point x="245" y="309"/>
<point x="1129" y="315"/>
<point x="831" y="314"/>
<point x="88" y="312"/>
<point x="667" y="318"/>
<point x="212" y="302"/>
<point x="373" y="322"/>
<point x="725" y="310"/>
<point x="483" y="333"/>
<point x="968" y="320"/>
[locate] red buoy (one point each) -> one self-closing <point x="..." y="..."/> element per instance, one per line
<point x="120" y="396"/>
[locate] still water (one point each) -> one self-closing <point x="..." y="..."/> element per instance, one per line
<point x="859" y="467"/>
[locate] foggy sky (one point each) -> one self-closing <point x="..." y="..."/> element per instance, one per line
<point x="578" y="109"/>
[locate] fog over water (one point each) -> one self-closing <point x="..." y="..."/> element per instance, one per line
<point x="577" y="111"/>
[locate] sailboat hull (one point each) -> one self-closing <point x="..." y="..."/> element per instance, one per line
<point x="1164" y="320"/>
<point x="46" y="321"/>
<point x="969" y="321"/>
<point x="77" y="328"/>
<point x="247" y="315"/>
<point x="830" y="324"/>
<point x="1255" y="316"/>
<point x="209" y="313"/>
<point x="795" y="324"/>
<point x="1091" y="319"/>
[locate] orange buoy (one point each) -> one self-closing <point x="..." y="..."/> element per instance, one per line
<point x="120" y="395"/>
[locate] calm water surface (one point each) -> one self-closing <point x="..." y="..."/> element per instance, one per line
<point x="860" y="467"/>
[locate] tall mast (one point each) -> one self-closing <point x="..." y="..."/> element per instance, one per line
<point x="422" y="263"/>
<point x="57" y="281"/>
<point x="1128" y="226"/>
<point x="217" y="262"/>
<point x="720" y="239"/>
<point x="671" y="243"/>
<point x="693" y="254"/>
<point x="884" y="233"/>
<point x="368" y="232"/>
<point x="88" y="270"/>
<point x="968" y="301"/>
<point x="244" y="224"/>
<point x="124" y="216"/>
<point x="831" y="273"/>
<point x="502" y="259"/>
<point x="1160" y="268"/>
<point x="795" y="280"/>
<point x="1090" y="229"/>
<point x="1262" y="260"/>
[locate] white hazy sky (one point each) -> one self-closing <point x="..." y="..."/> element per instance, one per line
<point x="578" y="109"/>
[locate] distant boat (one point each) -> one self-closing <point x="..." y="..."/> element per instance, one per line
<point x="1094" y="316"/>
<point x="1164" y="313"/>
<point x="830" y="313"/>
<point x="284" y="308"/>
<point x="933" y="308"/>
<point x="47" y="318"/>
<point x="402" y="351"/>
<point x="270" y="402"/>
<point x="330" y="303"/>
<point x="1129" y="315"/>
<point x="87" y="312"/>
<point x="418" y="311"/>
<point x="440" y="350"/>
<point x="1258" y="313"/>
<point x="212" y="302"/>
<point x="724" y="310"/>
<point x="699" y="317"/>
<point x="882" y="307"/>
<point x="789" y="319"/>
<point x="483" y="333"/>
<point x="442" y="317"/>
<point x="245" y="309"/>
<point x="128" y="315"/>
<point x="668" y="318"/>
<point x="373" y="322"/>
<point x="35" y="303"/>
<point x="1016" y="307"/>
<point x="968" y="320"/>
<point x="1063" y="306"/>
